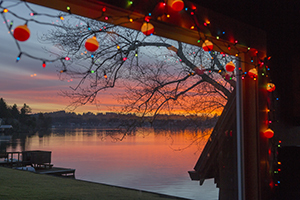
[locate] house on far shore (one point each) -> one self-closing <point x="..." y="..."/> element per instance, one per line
<point x="3" y="127"/>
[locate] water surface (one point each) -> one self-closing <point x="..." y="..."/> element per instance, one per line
<point x="151" y="160"/>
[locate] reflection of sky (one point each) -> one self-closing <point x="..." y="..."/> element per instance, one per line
<point x="19" y="85"/>
<point x="145" y="161"/>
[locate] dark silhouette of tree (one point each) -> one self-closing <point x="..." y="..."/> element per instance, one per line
<point x="25" y="109"/>
<point x="4" y="112"/>
<point x="14" y="111"/>
<point x="21" y="121"/>
<point x="157" y="74"/>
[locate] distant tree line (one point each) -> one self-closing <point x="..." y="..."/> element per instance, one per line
<point x="116" y="120"/>
<point x="21" y="119"/>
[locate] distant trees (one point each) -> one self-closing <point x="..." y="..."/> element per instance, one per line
<point x="21" y="120"/>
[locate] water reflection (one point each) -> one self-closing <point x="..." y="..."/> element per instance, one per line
<point x="147" y="159"/>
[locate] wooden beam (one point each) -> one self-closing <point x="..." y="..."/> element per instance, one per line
<point x="176" y="29"/>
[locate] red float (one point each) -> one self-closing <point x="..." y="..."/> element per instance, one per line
<point x="21" y="33"/>
<point x="91" y="44"/>
<point x="230" y="66"/>
<point x="176" y="5"/>
<point x="270" y="87"/>
<point x="269" y="133"/>
<point x="147" y="28"/>
<point x="207" y="45"/>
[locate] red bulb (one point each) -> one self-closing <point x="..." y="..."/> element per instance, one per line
<point x="21" y="33"/>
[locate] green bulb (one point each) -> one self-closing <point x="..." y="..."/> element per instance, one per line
<point x="92" y="71"/>
<point x="68" y="8"/>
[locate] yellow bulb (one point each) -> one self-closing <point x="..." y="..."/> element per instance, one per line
<point x="5" y="10"/>
<point x="131" y="20"/>
<point x="192" y="27"/>
<point x="168" y="15"/>
<point x="62" y="18"/>
<point x="118" y="47"/>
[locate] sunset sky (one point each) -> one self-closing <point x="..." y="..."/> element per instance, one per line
<point x="27" y="81"/>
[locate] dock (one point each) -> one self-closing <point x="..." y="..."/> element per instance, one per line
<point x="57" y="171"/>
<point x="34" y="161"/>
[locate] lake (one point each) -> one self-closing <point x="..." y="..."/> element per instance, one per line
<point x="150" y="160"/>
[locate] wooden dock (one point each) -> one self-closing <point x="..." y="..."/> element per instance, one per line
<point x="57" y="171"/>
<point x="39" y="160"/>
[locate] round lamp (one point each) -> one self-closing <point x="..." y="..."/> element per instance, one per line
<point x="269" y="133"/>
<point x="252" y="72"/>
<point x="270" y="87"/>
<point x="176" y="5"/>
<point x="230" y="66"/>
<point x="207" y="45"/>
<point x="21" y="33"/>
<point x="147" y="28"/>
<point x="91" y="44"/>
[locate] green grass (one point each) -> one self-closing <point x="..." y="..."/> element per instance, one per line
<point x="17" y="184"/>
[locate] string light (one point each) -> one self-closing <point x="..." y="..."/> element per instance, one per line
<point x="19" y="57"/>
<point x="44" y="64"/>
<point x="69" y="9"/>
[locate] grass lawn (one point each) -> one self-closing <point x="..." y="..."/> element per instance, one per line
<point x="17" y="184"/>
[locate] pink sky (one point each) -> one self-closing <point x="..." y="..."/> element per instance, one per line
<point x="28" y="82"/>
